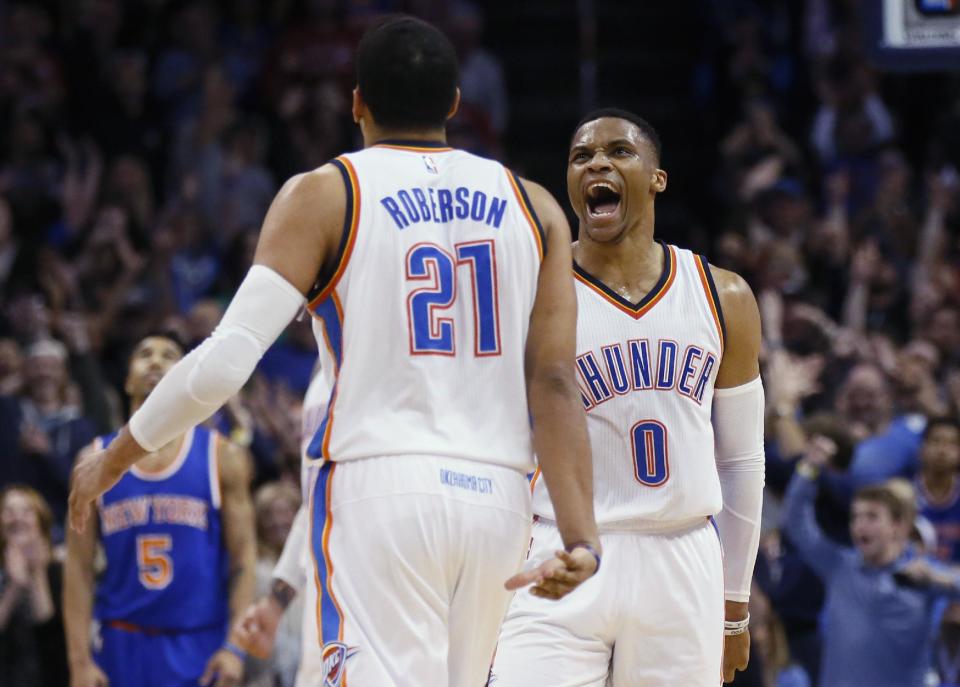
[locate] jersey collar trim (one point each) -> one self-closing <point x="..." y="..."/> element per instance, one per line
<point x="171" y="469"/>
<point x="413" y="145"/>
<point x="639" y="309"/>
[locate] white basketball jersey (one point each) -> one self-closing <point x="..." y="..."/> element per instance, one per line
<point x="422" y="327"/>
<point x="646" y="374"/>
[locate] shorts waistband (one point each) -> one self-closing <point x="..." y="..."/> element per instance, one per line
<point x="643" y="526"/>
<point x="125" y="626"/>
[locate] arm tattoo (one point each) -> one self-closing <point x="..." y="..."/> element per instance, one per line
<point x="282" y="592"/>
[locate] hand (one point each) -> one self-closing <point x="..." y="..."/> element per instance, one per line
<point x="820" y="451"/>
<point x="792" y="379"/>
<point x="75" y="331"/>
<point x="557" y="577"/>
<point x="87" y="675"/>
<point x="866" y="262"/>
<point x="736" y="654"/>
<point x="256" y="631"/>
<point x="226" y="667"/>
<point x="17" y="566"/>
<point x="38" y="555"/>
<point x="91" y="477"/>
<point x="34" y="440"/>
<point x="919" y="572"/>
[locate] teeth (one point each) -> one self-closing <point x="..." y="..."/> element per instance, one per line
<point x="594" y="187"/>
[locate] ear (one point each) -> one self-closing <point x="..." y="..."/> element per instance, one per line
<point x="659" y="181"/>
<point x="358" y="108"/>
<point x="455" y="106"/>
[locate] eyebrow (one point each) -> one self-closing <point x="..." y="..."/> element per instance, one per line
<point x="615" y="142"/>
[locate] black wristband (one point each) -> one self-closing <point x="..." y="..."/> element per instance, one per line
<point x="589" y="548"/>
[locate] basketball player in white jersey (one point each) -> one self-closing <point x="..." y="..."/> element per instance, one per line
<point x="448" y="328"/>
<point x="667" y="362"/>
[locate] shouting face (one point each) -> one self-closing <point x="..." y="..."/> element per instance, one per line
<point x="612" y="177"/>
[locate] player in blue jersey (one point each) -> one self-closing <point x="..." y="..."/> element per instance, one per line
<point x="938" y="486"/>
<point x="177" y="536"/>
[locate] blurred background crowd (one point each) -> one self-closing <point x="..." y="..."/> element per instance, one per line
<point x="141" y="142"/>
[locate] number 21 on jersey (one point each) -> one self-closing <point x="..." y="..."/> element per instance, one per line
<point x="431" y="333"/>
<point x="650" y="455"/>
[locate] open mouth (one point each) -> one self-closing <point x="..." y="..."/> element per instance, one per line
<point x="603" y="200"/>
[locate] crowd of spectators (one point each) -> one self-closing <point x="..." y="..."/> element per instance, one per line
<point x="142" y="141"/>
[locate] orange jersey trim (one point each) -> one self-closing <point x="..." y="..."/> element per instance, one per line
<point x="651" y="300"/>
<point x="353" y="208"/>
<point x="533" y="480"/>
<point x="413" y="148"/>
<point x="325" y="445"/>
<point x="328" y="523"/>
<point x="529" y="213"/>
<point x="709" y="291"/>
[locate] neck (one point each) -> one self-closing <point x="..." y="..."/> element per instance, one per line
<point x="938" y="483"/>
<point x="633" y="262"/>
<point x="374" y="134"/>
<point x="891" y="552"/>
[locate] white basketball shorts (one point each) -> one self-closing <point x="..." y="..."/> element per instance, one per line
<point x="411" y="553"/>
<point x="652" y="616"/>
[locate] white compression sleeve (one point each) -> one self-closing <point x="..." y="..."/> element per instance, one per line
<point x="738" y="415"/>
<point x="289" y="567"/>
<point x="217" y="369"/>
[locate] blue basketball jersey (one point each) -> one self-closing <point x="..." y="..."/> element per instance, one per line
<point x="945" y="517"/>
<point x="161" y="533"/>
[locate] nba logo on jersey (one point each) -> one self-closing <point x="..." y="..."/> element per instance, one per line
<point x="430" y="164"/>
<point x="335" y="657"/>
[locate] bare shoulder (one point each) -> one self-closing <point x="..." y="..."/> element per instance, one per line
<point x="234" y="463"/>
<point x="316" y="186"/>
<point x="733" y="290"/>
<point x="303" y="226"/>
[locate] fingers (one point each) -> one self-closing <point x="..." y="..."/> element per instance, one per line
<point x="209" y="672"/>
<point x="78" y="513"/>
<point x="534" y="575"/>
<point x="225" y="679"/>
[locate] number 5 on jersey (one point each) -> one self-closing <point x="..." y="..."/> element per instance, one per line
<point x="430" y="332"/>
<point x="153" y="560"/>
<point x="651" y="459"/>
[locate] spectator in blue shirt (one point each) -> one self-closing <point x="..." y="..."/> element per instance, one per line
<point x="890" y="441"/>
<point x="938" y="484"/>
<point x="882" y="598"/>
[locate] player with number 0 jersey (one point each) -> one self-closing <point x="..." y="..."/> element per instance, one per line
<point x="667" y="351"/>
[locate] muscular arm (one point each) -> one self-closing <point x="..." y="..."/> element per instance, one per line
<point x="300" y="235"/>
<point x="559" y="424"/>
<point x="236" y="512"/>
<point x="78" y="590"/>
<point x="738" y="414"/>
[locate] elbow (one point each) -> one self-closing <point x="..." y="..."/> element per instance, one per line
<point x="552" y="382"/>
<point x="224" y="367"/>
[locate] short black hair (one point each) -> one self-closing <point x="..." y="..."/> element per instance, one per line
<point x="943" y="421"/>
<point x="407" y="73"/>
<point x="160" y="333"/>
<point x="646" y="128"/>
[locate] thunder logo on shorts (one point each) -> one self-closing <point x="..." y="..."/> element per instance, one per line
<point x="335" y="657"/>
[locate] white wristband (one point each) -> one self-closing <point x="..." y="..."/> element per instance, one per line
<point x="736" y="627"/>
